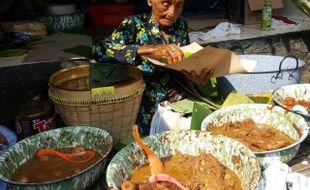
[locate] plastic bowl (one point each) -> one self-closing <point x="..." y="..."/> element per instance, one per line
<point x="110" y="14"/>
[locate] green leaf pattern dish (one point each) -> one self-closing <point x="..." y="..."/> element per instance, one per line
<point x="63" y="23"/>
<point x="276" y="117"/>
<point x="90" y="137"/>
<point x="296" y="91"/>
<point x="187" y="142"/>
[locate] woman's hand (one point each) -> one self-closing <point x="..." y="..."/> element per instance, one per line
<point x="201" y="79"/>
<point x="165" y="52"/>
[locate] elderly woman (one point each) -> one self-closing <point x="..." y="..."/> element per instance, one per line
<point x="158" y="35"/>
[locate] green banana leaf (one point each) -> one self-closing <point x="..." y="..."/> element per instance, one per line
<point x="184" y="106"/>
<point x="191" y="89"/>
<point x="303" y="5"/>
<point x="13" y="52"/>
<point x="81" y="50"/>
<point x="237" y="98"/>
<point x="200" y="111"/>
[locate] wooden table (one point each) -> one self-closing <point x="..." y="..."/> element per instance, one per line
<point x="301" y="163"/>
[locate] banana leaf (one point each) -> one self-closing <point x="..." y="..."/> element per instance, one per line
<point x="303" y="5"/>
<point x="189" y="87"/>
<point x="237" y="98"/>
<point x="13" y="52"/>
<point x="200" y="111"/>
<point x="184" y="106"/>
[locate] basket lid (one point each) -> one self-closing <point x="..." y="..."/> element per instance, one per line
<point x="71" y="85"/>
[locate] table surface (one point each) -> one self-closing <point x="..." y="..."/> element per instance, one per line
<point x="255" y="31"/>
<point x="43" y="53"/>
<point x="301" y="163"/>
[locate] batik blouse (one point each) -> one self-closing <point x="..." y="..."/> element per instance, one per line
<point x="122" y="47"/>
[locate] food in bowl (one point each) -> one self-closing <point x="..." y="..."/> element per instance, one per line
<point x="51" y="167"/>
<point x="128" y="185"/>
<point x="92" y="138"/>
<point x="191" y="144"/>
<point x="193" y="172"/>
<point x="258" y="137"/>
<point x="291" y="124"/>
<point x="290" y="102"/>
<point x="291" y="95"/>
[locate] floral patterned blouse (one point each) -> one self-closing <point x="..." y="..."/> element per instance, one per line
<point x="122" y="47"/>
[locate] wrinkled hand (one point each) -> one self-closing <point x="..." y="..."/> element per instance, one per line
<point x="165" y="52"/>
<point x="201" y="79"/>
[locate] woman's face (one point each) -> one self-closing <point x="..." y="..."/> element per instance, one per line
<point x="166" y="12"/>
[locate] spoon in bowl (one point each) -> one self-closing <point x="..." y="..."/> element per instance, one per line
<point x="157" y="167"/>
<point x="166" y="178"/>
<point x="300" y="109"/>
<point x="72" y="157"/>
<point x="155" y="163"/>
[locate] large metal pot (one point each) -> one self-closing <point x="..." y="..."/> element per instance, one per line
<point x="271" y="72"/>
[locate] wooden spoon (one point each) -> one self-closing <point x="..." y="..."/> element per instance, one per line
<point x="155" y="163"/>
<point x="87" y="155"/>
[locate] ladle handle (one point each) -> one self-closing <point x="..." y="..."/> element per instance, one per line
<point x="137" y="138"/>
<point x="66" y="157"/>
<point x="167" y="178"/>
<point x="52" y="152"/>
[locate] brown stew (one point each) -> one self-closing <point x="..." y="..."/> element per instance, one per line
<point x="258" y="137"/>
<point x="48" y="168"/>
<point x="193" y="172"/>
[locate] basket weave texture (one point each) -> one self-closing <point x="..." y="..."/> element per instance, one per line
<point x="116" y="113"/>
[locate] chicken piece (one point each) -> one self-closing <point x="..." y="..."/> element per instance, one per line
<point x="158" y="186"/>
<point x="229" y="179"/>
<point x="128" y="185"/>
<point x="79" y="148"/>
<point x="268" y="132"/>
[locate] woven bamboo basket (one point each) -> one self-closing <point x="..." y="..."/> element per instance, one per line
<point x="116" y="113"/>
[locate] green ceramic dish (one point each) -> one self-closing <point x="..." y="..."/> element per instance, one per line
<point x="187" y="142"/>
<point x="277" y="117"/>
<point x="296" y="91"/>
<point x="90" y="137"/>
<point x="63" y="23"/>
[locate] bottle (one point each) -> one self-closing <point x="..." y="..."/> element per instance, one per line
<point x="35" y="115"/>
<point x="266" y="16"/>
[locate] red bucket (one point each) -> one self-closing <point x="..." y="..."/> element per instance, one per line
<point x="109" y="14"/>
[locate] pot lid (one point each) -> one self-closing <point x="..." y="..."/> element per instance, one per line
<point x="34" y="108"/>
